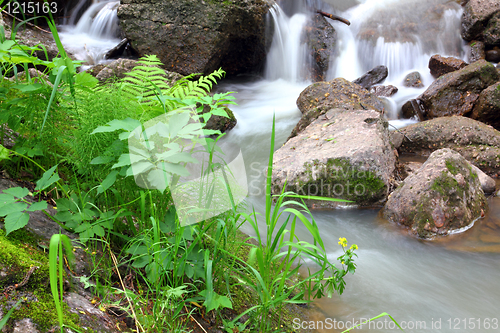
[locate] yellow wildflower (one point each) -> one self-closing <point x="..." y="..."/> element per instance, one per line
<point x="354" y="247"/>
<point x="343" y="241"/>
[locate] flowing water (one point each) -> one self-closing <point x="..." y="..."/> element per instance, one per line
<point x="90" y="36"/>
<point x="448" y="285"/>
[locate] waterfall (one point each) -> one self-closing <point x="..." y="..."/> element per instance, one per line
<point x="95" y="32"/>
<point x="288" y="53"/>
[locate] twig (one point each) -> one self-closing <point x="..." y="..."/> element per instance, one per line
<point x="334" y="17"/>
<point x="397" y="129"/>
<point x="115" y="262"/>
<point x="196" y="321"/>
<point x="30" y="24"/>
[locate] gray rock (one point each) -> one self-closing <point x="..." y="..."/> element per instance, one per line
<point x="455" y="93"/>
<point x="488" y="184"/>
<point x="442" y="197"/>
<point x="384" y="91"/>
<point x="491" y="34"/>
<point x="372" y="77"/>
<point x="476" y="51"/>
<point x="414" y="79"/>
<point x="90" y="316"/>
<point x="487" y="107"/>
<point x="198" y="36"/>
<point x="342" y="154"/>
<point x="476" y="15"/>
<point x="321" y="38"/>
<point x="320" y="97"/>
<point x="25" y="325"/>
<point x="477" y="142"/>
<point x="442" y="65"/>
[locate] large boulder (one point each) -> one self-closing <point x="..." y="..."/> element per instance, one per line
<point x="320" y="97"/>
<point x="476" y="15"/>
<point x="342" y="154"/>
<point x="442" y="197"/>
<point x="455" y="93"/>
<point x="198" y="36"/>
<point x="442" y="65"/>
<point x="487" y="108"/>
<point x="477" y="142"/>
<point x="321" y="38"/>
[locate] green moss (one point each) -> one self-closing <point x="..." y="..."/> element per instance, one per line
<point x="451" y="167"/>
<point x="18" y="253"/>
<point x="338" y="178"/>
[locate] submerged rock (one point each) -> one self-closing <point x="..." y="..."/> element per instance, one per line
<point x="414" y="79"/>
<point x="320" y="97"/>
<point x="455" y="93"/>
<point x="442" y="197"/>
<point x="198" y="36"/>
<point x="439" y="65"/>
<point x="477" y="142"/>
<point x="372" y="77"/>
<point x="342" y="154"/>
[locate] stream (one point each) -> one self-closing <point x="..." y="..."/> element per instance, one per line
<point x="446" y="285"/>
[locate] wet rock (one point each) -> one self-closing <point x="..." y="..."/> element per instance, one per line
<point x="198" y="36"/>
<point x="118" y="50"/>
<point x="441" y="65"/>
<point x="476" y="15"/>
<point x="488" y="184"/>
<point x="455" y="93"/>
<point x="476" y="51"/>
<point x="320" y="97"/>
<point x="372" y="77"/>
<point x="487" y="107"/>
<point x="344" y="154"/>
<point x="442" y="197"/>
<point x="321" y="39"/>
<point x="414" y="79"/>
<point x="491" y="34"/>
<point x="384" y="91"/>
<point x="477" y="142"/>
<point x="493" y="55"/>
<point x="221" y="123"/>
<point x="412" y="109"/>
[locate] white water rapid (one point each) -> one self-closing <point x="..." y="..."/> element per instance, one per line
<point x="90" y="36"/>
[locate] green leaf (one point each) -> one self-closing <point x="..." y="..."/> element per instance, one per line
<point x="13" y="208"/>
<point x="15" y="221"/>
<point x="102" y="160"/>
<point x="6" y="199"/>
<point x="18" y="192"/>
<point x="4" y="153"/>
<point x="38" y="206"/>
<point x="48" y="178"/>
<point x="86" y="80"/>
<point x="107" y="182"/>
<point x="122" y="161"/>
<point x="127" y="124"/>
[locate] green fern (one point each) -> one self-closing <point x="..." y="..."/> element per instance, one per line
<point x="147" y="84"/>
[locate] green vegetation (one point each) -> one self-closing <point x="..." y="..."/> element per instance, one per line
<point x="76" y="140"/>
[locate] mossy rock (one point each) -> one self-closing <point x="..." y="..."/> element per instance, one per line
<point x="444" y="196"/>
